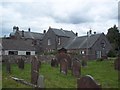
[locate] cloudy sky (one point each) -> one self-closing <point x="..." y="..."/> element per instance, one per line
<point x="76" y="15"/>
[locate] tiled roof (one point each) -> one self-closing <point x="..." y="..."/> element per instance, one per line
<point x="61" y="32"/>
<point x="81" y="42"/>
<point x="13" y="44"/>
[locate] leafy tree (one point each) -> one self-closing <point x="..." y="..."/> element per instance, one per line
<point x="113" y="36"/>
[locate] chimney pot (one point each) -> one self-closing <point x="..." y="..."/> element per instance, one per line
<point x="94" y="32"/>
<point x="76" y="34"/>
<point x="28" y="29"/>
<point x="44" y="31"/>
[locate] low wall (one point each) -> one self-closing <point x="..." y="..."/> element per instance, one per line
<point x="27" y="59"/>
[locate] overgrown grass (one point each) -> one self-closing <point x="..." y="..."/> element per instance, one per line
<point x="103" y="72"/>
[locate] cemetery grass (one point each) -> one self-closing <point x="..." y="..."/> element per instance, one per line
<point x="102" y="71"/>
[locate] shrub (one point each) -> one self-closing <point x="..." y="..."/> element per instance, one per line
<point x="111" y="53"/>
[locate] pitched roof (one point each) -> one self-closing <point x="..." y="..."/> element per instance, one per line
<point x="61" y="32"/>
<point x="81" y="42"/>
<point x="32" y="35"/>
<point x="29" y="35"/>
<point x="13" y="44"/>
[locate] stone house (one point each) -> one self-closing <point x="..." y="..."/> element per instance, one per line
<point x="55" y="38"/>
<point x="92" y="46"/>
<point x="17" y="47"/>
<point x="28" y="36"/>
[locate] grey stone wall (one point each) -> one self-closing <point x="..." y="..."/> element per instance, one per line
<point x="27" y="59"/>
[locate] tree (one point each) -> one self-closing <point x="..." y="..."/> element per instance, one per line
<point x="113" y="36"/>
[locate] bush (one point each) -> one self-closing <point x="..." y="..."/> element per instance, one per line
<point x="111" y="53"/>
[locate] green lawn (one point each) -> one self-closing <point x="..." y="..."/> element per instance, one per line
<point x="103" y="72"/>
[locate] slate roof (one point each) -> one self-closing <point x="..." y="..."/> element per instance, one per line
<point x="81" y="42"/>
<point x="29" y="35"/>
<point x="32" y="35"/>
<point x="61" y="32"/>
<point x="13" y="44"/>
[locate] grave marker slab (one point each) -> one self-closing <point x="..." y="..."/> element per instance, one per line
<point x="87" y="82"/>
<point x="54" y="62"/>
<point x="40" y="82"/>
<point x="117" y="64"/>
<point x="63" y="66"/>
<point x="76" y="67"/>
<point x="21" y="62"/>
<point x="8" y="66"/>
<point x="34" y="70"/>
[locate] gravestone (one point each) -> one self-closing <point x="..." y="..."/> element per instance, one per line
<point x="66" y="56"/>
<point x="84" y="61"/>
<point x="76" y="67"/>
<point x="34" y="70"/>
<point x="8" y="66"/>
<point x="21" y="62"/>
<point x="54" y="62"/>
<point x="63" y="66"/>
<point x="88" y="82"/>
<point x="117" y="64"/>
<point x="40" y="82"/>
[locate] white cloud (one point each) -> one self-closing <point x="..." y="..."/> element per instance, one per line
<point x="76" y="15"/>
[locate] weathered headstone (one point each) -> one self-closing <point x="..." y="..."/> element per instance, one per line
<point x="87" y="82"/>
<point x="76" y="67"/>
<point x="84" y="62"/>
<point x="63" y="66"/>
<point x="40" y="82"/>
<point x="34" y="70"/>
<point x="8" y="66"/>
<point x="21" y="62"/>
<point x="54" y="62"/>
<point x="66" y="56"/>
<point x="117" y="64"/>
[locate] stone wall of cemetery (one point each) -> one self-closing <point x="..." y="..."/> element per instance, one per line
<point x="27" y="58"/>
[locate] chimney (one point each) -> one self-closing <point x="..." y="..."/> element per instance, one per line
<point x="44" y="31"/>
<point x="61" y="29"/>
<point x="28" y="29"/>
<point x="76" y="34"/>
<point x="17" y="28"/>
<point x="22" y="33"/>
<point x="14" y="28"/>
<point x="94" y="32"/>
<point x="49" y="27"/>
<point x="90" y="32"/>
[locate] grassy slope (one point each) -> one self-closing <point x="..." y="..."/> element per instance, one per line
<point x="103" y="72"/>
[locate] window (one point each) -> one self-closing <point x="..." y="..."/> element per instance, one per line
<point x="59" y="41"/>
<point x="13" y="52"/>
<point x="27" y="53"/>
<point x="82" y="52"/>
<point x="49" y="42"/>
